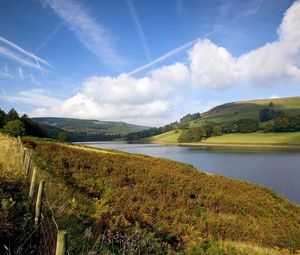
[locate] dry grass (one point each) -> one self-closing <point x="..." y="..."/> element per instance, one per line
<point x="10" y="157"/>
<point x="255" y="250"/>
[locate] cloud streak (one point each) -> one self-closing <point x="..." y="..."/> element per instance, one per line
<point x="23" y="51"/>
<point x="34" y="97"/>
<point x="93" y="36"/>
<point x="164" y="57"/>
<point x="16" y="58"/>
<point x="139" y="29"/>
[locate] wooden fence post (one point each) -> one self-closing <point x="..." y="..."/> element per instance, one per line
<point x="32" y="183"/>
<point x="38" y="205"/>
<point x="28" y="165"/>
<point x="25" y="159"/>
<point x="61" y="244"/>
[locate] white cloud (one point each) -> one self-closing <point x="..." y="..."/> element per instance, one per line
<point x="91" y="34"/>
<point x="274" y="96"/>
<point x="34" y="97"/>
<point x="211" y="65"/>
<point x="125" y="97"/>
<point x="159" y="96"/>
<point x="214" y="66"/>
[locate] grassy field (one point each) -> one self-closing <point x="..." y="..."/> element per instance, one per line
<point x="174" y="208"/>
<point x="168" y="137"/>
<point x="112" y="202"/>
<point x="286" y="138"/>
<point x="249" y="109"/>
<point x="257" y="138"/>
<point x="242" y="110"/>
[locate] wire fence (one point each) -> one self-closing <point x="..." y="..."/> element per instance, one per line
<point x="43" y="238"/>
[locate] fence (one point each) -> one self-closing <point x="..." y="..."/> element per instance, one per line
<point x="46" y="238"/>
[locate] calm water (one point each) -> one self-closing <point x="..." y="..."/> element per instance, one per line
<point x="277" y="169"/>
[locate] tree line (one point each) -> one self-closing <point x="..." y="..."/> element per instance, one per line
<point x="275" y="122"/>
<point x="268" y="120"/>
<point x="13" y="124"/>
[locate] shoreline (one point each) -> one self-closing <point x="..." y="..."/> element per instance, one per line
<point x="243" y="145"/>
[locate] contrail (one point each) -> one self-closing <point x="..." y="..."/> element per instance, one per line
<point x="139" y="29"/>
<point x="15" y="46"/>
<point x="48" y="38"/>
<point x="9" y="54"/>
<point x="38" y="64"/>
<point x="163" y="57"/>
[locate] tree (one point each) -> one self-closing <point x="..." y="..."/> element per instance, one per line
<point x="282" y="123"/>
<point x="184" y="125"/>
<point x="186" y="136"/>
<point x="11" y="115"/>
<point x="198" y="133"/>
<point x="266" y="114"/>
<point x="213" y="128"/>
<point x="33" y="128"/>
<point x="247" y="125"/>
<point x="190" y="117"/>
<point x="15" y="127"/>
<point x="216" y="130"/>
<point x="2" y="118"/>
<point x="294" y="123"/>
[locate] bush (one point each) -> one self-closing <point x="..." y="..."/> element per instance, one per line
<point x="195" y="134"/>
<point x="15" y="127"/>
<point x="247" y="125"/>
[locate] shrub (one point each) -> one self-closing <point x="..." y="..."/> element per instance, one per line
<point x="15" y="127"/>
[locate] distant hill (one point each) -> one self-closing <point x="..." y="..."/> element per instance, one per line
<point x="250" y="109"/>
<point x="234" y="111"/>
<point x="87" y="130"/>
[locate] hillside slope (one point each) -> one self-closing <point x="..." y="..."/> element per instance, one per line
<point x="88" y="130"/>
<point x="159" y="205"/>
<point x="242" y="110"/>
<point x="250" y="109"/>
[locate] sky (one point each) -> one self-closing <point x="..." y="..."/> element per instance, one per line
<point x="145" y="62"/>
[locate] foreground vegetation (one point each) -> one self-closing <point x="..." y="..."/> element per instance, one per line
<point x="117" y="203"/>
<point x="15" y="215"/>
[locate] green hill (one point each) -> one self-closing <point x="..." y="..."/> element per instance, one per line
<point x="88" y="130"/>
<point x="250" y="109"/>
<point x="235" y="111"/>
<point x="118" y="203"/>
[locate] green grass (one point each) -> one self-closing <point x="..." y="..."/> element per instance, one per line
<point x="168" y="137"/>
<point x="286" y="138"/>
<point x="249" y="109"/>
<point x="87" y="130"/>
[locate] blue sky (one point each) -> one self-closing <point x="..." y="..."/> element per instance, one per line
<point x="145" y="62"/>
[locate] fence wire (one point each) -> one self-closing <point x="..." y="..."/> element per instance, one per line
<point x="42" y="239"/>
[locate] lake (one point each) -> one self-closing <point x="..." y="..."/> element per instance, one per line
<point x="278" y="169"/>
